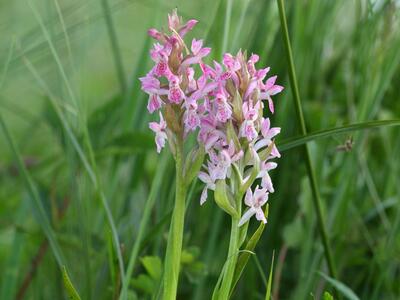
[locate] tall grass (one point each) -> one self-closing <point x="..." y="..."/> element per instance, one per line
<point x="78" y="167"/>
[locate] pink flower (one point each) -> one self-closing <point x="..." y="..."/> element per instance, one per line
<point x="270" y="89"/>
<point x="175" y="93"/>
<point x="187" y="27"/>
<point x="224" y="111"/>
<point x="159" y="129"/>
<point x="251" y="62"/>
<point x="198" y="53"/>
<point x="209" y="135"/>
<point x="266" y="181"/>
<point x="255" y="202"/>
<point x="231" y="62"/>
<point x="155" y="34"/>
<point x="210" y="185"/>
<point x="173" y="20"/>
<point x="154" y="103"/>
<point x="192" y="84"/>
<point x="150" y="84"/>
<point x="268" y="133"/>
<point x="248" y="128"/>
<point x="191" y="120"/>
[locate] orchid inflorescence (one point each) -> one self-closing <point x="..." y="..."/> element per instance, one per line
<point x="224" y="103"/>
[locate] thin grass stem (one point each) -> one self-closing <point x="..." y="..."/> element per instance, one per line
<point x="155" y="187"/>
<point x="114" y="46"/>
<point x="310" y="170"/>
<point x="42" y="219"/>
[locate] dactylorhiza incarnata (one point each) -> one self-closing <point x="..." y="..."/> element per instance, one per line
<point x="223" y="103"/>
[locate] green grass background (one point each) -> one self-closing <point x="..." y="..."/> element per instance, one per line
<point x="81" y="59"/>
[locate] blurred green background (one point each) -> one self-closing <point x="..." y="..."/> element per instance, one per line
<point x="81" y="60"/>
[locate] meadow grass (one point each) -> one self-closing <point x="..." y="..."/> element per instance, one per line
<point x="83" y="188"/>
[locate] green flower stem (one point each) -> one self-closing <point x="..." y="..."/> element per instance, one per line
<point x="233" y="252"/>
<point x="175" y="237"/>
<point x="231" y="260"/>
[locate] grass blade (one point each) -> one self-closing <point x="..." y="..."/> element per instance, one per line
<point x="301" y="140"/>
<point x="269" y="285"/>
<point x="92" y="169"/>
<point x="143" y="224"/>
<point x="92" y="175"/>
<point x="72" y="293"/>
<point x="340" y="287"/>
<point x="43" y="219"/>
<point x="245" y="256"/>
<point x="114" y="45"/>
<point x="313" y="182"/>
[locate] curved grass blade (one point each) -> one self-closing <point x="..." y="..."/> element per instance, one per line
<point x="269" y="285"/>
<point x="71" y="291"/>
<point x="92" y="169"/>
<point x="114" y="46"/>
<point x="143" y="224"/>
<point x="245" y="256"/>
<point x="43" y="219"/>
<point x="301" y="140"/>
<point x="340" y="287"/>
<point x="310" y="169"/>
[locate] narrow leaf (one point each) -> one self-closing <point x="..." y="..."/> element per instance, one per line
<point x="301" y="140"/>
<point x="245" y="256"/>
<point x="71" y="291"/>
<point x="340" y="287"/>
<point x="269" y="285"/>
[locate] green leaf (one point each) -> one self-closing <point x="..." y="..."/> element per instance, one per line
<point x="327" y="296"/>
<point x="269" y="285"/>
<point x="38" y="207"/>
<point x="245" y="255"/>
<point x="301" y="140"/>
<point x="243" y="233"/>
<point x="187" y="257"/>
<point x="224" y="198"/>
<point x="144" y="283"/>
<point x="153" y="266"/>
<point x="255" y="170"/>
<point x="340" y="287"/>
<point x="71" y="291"/>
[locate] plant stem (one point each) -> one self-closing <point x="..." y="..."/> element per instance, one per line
<point x="175" y="237"/>
<point x="313" y="182"/>
<point x="231" y="260"/>
<point x="114" y="46"/>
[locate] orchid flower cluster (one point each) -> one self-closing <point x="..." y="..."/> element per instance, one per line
<point x="223" y="103"/>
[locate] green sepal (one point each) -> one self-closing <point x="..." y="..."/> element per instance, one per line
<point x="249" y="249"/>
<point x="253" y="175"/>
<point x="193" y="163"/>
<point x="238" y="178"/>
<point x="232" y="136"/>
<point x="266" y="152"/>
<point x="237" y="103"/>
<point x="224" y="198"/>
